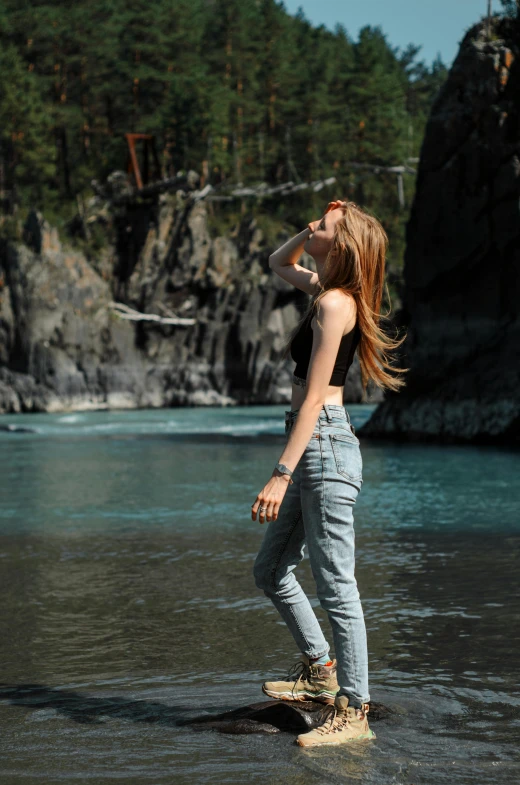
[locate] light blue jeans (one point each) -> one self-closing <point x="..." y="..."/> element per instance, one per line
<point x="317" y="511"/>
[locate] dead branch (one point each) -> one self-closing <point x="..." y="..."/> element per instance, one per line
<point x="125" y="312"/>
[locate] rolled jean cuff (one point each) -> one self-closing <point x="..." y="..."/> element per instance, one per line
<point x="319" y="654"/>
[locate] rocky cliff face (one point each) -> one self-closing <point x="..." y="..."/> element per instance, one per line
<point x="63" y="347"/>
<point x="462" y="264"/>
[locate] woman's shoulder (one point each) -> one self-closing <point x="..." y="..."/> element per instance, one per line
<point x="337" y="309"/>
<point x="337" y="301"/>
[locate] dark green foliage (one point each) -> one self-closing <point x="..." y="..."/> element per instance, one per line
<point x="237" y="88"/>
<point x="511" y="7"/>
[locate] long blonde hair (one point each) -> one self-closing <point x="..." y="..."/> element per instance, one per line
<point x="356" y="265"/>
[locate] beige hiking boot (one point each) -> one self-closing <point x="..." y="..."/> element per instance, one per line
<point x="344" y="723"/>
<point x="306" y="682"/>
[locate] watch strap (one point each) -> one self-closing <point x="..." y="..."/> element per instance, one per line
<point x="283" y="469"/>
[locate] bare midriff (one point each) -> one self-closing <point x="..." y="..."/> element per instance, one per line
<point x="334" y="395"/>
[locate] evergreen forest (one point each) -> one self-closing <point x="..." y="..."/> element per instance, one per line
<point x="238" y="90"/>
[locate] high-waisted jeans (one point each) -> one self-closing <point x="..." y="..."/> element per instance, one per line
<point x="317" y="511"/>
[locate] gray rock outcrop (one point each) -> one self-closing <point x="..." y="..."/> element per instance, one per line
<point x="462" y="262"/>
<point x="63" y="347"/>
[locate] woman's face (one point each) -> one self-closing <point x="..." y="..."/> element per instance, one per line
<point x="319" y="242"/>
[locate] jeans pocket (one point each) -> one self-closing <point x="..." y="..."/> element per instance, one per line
<point x="347" y="455"/>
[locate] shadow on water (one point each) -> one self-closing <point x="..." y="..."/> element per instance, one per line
<point x="266" y="716"/>
<point x="88" y="710"/>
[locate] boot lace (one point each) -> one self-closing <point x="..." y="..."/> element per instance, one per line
<point x="300" y="672"/>
<point x="334" y="721"/>
<point x="339" y="720"/>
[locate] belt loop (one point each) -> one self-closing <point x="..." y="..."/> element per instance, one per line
<point x="327" y="412"/>
<point x="348" y="417"/>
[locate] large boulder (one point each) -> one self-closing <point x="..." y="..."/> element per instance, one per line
<point x="462" y="262"/>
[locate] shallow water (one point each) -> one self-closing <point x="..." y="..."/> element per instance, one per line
<point x="126" y="547"/>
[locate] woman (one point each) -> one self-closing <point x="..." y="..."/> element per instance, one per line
<point x="310" y="496"/>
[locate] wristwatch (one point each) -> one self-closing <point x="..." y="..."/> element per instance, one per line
<point x="282" y="468"/>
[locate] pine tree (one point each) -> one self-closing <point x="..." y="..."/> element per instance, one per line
<point x="239" y="90"/>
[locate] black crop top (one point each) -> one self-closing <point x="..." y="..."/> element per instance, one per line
<point x="301" y="347"/>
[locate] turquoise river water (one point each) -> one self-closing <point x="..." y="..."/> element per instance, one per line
<point x="128" y="604"/>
